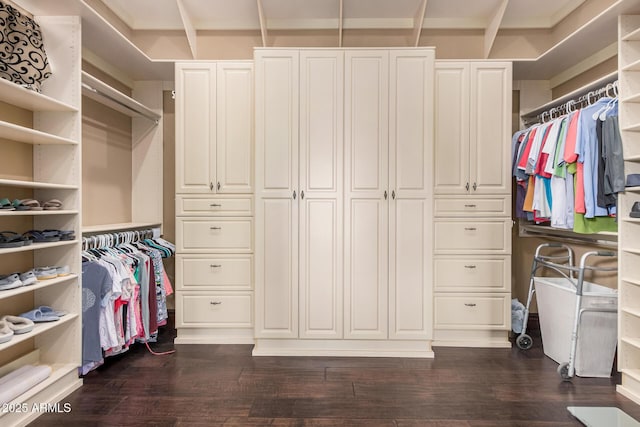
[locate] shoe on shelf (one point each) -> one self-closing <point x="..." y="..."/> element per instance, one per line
<point x="63" y="270"/>
<point x="19" y="325"/>
<point x="37" y="316"/>
<point x="5" y="332"/>
<point x="45" y="273"/>
<point x="635" y="210"/>
<point x="28" y="278"/>
<point x="11" y="281"/>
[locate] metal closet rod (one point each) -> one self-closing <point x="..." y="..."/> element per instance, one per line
<point x="112" y="99"/>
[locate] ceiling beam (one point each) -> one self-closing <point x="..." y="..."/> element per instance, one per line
<point x="492" y="29"/>
<point x="189" y="29"/>
<point x="340" y="23"/>
<point x="263" y="23"/>
<point x="418" y="21"/>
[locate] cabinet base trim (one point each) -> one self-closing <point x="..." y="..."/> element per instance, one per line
<point x="343" y="348"/>
<point x="471" y="338"/>
<point x="214" y="336"/>
<point x="629" y="388"/>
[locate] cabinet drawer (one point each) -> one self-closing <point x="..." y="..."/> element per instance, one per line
<point x="477" y="274"/>
<point x="214" y="309"/>
<point x="220" y="235"/>
<point x="477" y="206"/>
<point x="473" y="311"/>
<point x="480" y="236"/>
<point x="218" y="206"/>
<point x="209" y="272"/>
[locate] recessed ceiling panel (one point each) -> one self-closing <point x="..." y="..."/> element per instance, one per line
<point x="459" y="14"/>
<point x="301" y="14"/>
<point x="223" y="14"/>
<point x="147" y="14"/>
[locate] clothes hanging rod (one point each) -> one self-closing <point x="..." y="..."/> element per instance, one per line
<point x="107" y="95"/>
<point x="571" y="98"/>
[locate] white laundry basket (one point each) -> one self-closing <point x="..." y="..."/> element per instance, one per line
<point x="597" y="331"/>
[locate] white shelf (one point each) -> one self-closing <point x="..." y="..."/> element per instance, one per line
<point x="632" y="128"/>
<point x="36" y="185"/>
<point x="104" y="228"/>
<point x="19" y="96"/>
<point x="37" y="213"/>
<point x="633" y="373"/>
<point x="31" y="136"/>
<point x="634" y="66"/>
<point x="40" y="328"/>
<point x="632" y="281"/>
<point x="632" y="36"/>
<point x="633" y="342"/>
<point x="633" y="98"/>
<point x="631" y="311"/>
<point x="632" y="159"/>
<point x="36" y="246"/>
<point x="38" y="285"/>
<point x="112" y="98"/>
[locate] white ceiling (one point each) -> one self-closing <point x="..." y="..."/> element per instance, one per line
<point x="315" y="14"/>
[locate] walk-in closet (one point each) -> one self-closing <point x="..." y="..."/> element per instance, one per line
<point x="303" y="212"/>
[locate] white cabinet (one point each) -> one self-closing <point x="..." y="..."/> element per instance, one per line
<point x="343" y="207"/>
<point x="473" y="123"/>
<point x="472" y="227"/>
<point x="214" y="207"/>
<point x="54" y="138"/>
<point x="214" y="127"/>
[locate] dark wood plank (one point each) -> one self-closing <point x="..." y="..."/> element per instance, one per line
<point x="223" y="385"/>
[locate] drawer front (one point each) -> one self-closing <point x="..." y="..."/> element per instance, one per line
<point x="201" y="273"/>
<point x="478" y="274"/>
<point x="214" y="309"/>
<point x="218" y="206"/>
<point x="481" y="236"/>
<point x="222" y="235"/>
<point x="461" y="206"/>
<point x="474" y="311"/>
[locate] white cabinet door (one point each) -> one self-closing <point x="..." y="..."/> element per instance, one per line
<point x="234" y="127"/>
<point x="195" y="127"/>
<point x="490" y="128"/>
<point x="276" y="244"/>
<point x="321" y="148"/>
<point x="410" y="235"/>
<point x="451" y="111"/>
<point x="366" y="194"/>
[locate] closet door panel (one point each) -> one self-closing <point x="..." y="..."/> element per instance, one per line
<point x="321" y="147"/>
<point x="277" y="194"/>
<point x="411" y="123"/>
<point x="195" y="128"/>
<point x="366" y="194"/>
<point x="410" y="259"/>
<point x="277" y="269"/>
<point x="490" y="128"/>
<point x="235" y="127"/>
<point x="451" y="111"/>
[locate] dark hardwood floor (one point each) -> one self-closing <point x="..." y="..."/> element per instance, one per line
<point x="216" y="385"/>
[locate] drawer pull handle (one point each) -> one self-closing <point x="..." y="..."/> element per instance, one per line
<point x="470" y="228"/>
<point x="469" y="266"/>
<point x="215" y="205"/>
<point x="215" y="266"/>
<point x="472" y="304"/>
<point x="216" y="228"/>
<point x="216" y="302"/>
<point x="469" y="206"/>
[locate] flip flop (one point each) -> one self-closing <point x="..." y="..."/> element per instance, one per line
<point x="51" y="205"/>
<point x="38" y="316"/>
<point x="63" y="234"/>
<point x="10" y="239"/>
<point x="41" y="237"/>
<point x="17" y="204"/>
<point x="5" y="332"/>
<point x="30" y="204"/>
<point x="19" y="325"/>
<point x="5" y="204"/>
<point x="45" y="309"/>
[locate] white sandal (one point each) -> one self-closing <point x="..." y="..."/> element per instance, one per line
<point x="5" y="332"/>
<point x="18" y="325"/>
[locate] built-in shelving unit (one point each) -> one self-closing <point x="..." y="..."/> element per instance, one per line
<point x="629" y="228"/>
<point x="55" y="137"/>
